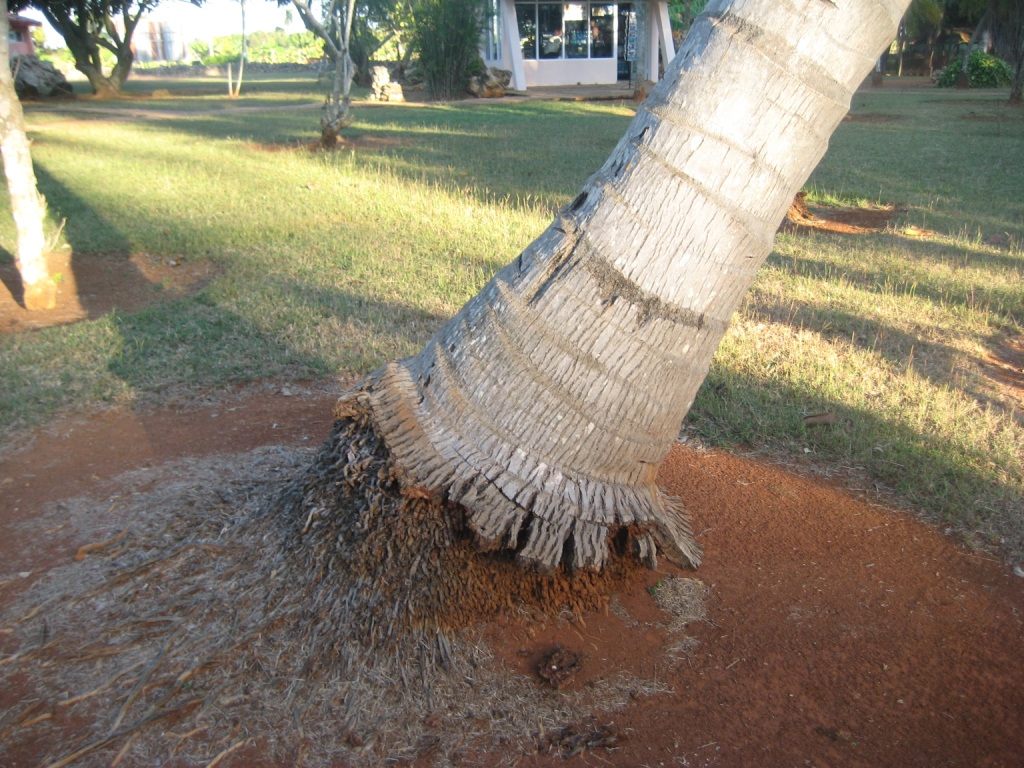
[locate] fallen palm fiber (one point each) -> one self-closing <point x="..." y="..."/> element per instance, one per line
<point x="222" y="553"/>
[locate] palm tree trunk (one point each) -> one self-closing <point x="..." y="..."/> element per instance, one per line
<point x="545" y="406"/>
<point x="27" y="204"/>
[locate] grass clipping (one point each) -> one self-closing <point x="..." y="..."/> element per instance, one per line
<point x="336" y="619"/>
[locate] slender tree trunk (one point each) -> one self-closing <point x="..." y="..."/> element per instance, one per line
<point x="81" y="28"/>
<point x="901" y="46"/>
<point x="545" y="406"/>
<point x="338" y="113"/>
<point x="338" y="106"/>
<point x="27" y="204"/>
<point x="963" y="81"/>
<point x="241" y="61"/>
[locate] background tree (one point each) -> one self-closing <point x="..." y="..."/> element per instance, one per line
<point x="1007" y="19"/>
<point x="377" y="24"/>
<point x="446" y="34"/>
<point x="90" y="27"/>
<point x="924" y="19"/>
<point x="682" y="14"/>
<point x="236" y="89"/>
<point x="334" y="27"/>
<point x="27" y="204"/>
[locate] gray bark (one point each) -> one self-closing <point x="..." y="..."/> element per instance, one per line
<point x="27" y="205"/>
<point x="88" y="28"/>
<point x="338" y="108"/>
<point x="545" y="406"/>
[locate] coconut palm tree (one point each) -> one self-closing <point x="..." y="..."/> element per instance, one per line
<point x="545" y="406"/>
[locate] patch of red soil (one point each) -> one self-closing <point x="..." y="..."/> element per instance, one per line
<point x="839" y="632"/>
<point x="801" y="218"/>
<point x="90" y="285"/>
<point x="80" y="456"/>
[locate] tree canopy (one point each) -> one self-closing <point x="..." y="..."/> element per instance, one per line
<point x="92" y="27"/>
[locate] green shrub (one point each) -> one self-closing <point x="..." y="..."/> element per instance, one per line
<point x="983" y="71"/>
<point x="446" y="33"/>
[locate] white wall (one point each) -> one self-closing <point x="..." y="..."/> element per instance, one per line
<point x="541" y="72"/>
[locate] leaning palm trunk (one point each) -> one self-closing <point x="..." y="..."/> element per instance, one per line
<point x="27" y="204"/>
<point x="545" y="406"/>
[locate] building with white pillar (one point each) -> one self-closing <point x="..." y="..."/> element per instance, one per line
<point x="577" y="43"/>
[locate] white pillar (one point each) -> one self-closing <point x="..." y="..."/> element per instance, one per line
<point x="659" y="37"/>
<point x="512" y="52"/>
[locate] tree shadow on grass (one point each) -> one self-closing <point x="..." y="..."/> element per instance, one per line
<point x="97" y="271"/>
<point x="307" y="332"/>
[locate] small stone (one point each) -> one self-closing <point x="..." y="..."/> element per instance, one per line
<point x="560" y="666"/>
<point x="1018" y="571"/>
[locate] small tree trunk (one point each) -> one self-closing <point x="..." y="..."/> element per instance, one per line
<point x="338" y="110"/>
<point x="1018" y="80"/>
<point x="241" y="61"/>
<point x="27" y="204"/>
<point x="901" y="46"/>
<point x="964" y="81"/>
<point x="878" y="73"/>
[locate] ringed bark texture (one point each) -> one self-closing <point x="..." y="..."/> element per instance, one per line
<point x="545" y="406"/>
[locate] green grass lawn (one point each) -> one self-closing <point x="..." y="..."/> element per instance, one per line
<point x="340" y="262"/>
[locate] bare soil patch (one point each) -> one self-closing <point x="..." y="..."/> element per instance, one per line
<point x="838" y="631"/>
<point x="90" y="285"/>
<point x="850" y="220"/>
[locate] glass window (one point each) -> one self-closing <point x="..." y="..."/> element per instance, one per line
<point x="549" y="27"/>
<point x="577" y="31"/>
<point x="492" y="30"/>
<point x="527" y="17"/>
<point x="602" y="31"/>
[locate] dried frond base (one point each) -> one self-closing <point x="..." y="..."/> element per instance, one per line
<point x="373" y="562"/>
<point x="334" y="622"/>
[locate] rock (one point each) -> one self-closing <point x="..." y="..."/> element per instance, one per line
<point x="492" y="84"/>
<point x="560" y="666"/>
<point x="382" y="87"/>
<point x="35" y="78"/>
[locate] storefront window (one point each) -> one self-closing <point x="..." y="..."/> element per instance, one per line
<point x="527" y="17"/>
<point x="566" y="30"/>
<point x="577" y="31"/>
<point x="492" y="30"/>
<point x="549" y="26"/>
<point x="602" y="31"/>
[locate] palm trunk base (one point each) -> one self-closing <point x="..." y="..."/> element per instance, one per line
<point x="574" y="526"/>
<point x="374" y="562"/>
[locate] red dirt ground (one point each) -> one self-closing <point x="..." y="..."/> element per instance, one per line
<point x="840" y="632"/>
